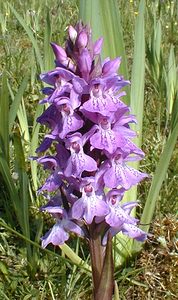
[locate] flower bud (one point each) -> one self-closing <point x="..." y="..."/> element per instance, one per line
<point x="97" y="46"/>
<point x="84" y="63"/>
<point x="111" y="66"/>
<point x="59" y="52"/>
<point x="82" y="40"/>
<point x="72" y="33"/>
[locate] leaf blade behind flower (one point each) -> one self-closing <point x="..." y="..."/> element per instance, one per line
<point x="104" y="19"/>
<point x="156" y="184"/>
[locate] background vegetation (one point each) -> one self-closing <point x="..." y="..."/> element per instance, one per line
<point x="26" y="270"/>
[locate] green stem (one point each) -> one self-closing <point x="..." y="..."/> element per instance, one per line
<point x="102" y="264"/>
<point x="96" y="254"/>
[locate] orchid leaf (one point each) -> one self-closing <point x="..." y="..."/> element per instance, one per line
<point x="16" y="102"/>
<point x="4" y="118"/>
<point x="157" y="181"/>
<point x="48" y="55"/>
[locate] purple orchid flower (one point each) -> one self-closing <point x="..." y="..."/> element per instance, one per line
<point x="90" y="205"/>
<point x="54" y="205"/>
<point x="78" y="161"/>
<point x="70" y="121"/>
<point x="59" y="233"/>
<point x="102" y="100"/>
<point x="52" y="183"/>
<point x="128" y="229"/>
<point x="91" y="139"/>
<point x="62" y="60"/>
<point x="118" y="215"/>
<point x="106" y="138"/>
<point x="117" y="173"/>
<point x="46" y="144"/>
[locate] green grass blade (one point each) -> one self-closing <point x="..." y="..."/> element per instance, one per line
<point x="104" y="19"/>
<point x="16" y="102"/>
<point x="23" y="121"/>
<point x="30" y="35"/>
<point x="174" y="118"/>
<point x="34" y="142"/>
<point x="21" y="114"/>
<point x="3" y="23"/>
<point x="158" y="34"/>
<point x="137" y="86"/>
<point x="74" y="257"/>
<point x="116" y="291"/>
<point x="157" y="181"/>
<point x="158" y="178"/>
<point x="48" y="54"/>
<point x="34" y="145"/>
<point x="171" y="80"/>
<point x="6" y="175"/>
<point x="4" y="118"/>
<point x="23" y="192"/>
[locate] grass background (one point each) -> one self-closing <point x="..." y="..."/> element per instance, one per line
<point x="27" y="271"/>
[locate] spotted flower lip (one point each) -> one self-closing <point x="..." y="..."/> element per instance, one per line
<point x="128" y="229"/>
<point x="118" y="214"/>
<point x="90" y="205"/>
<point x="70" y="121"/>
<point x="117" y="173"/>
<point x="88" y="143"/>
<point x="78" y="161"/>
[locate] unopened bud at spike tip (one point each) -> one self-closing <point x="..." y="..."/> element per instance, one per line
<point x="72" y="33"/>
<point x="82" y="40"/>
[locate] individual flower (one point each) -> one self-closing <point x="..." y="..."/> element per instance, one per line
<point x="59" y="233"/>
<point x="90" y="205"/>
<point x="118" y="214"/>
<point x="128" y="229"/>
<point x="118" y="173"/>
<point x="78" y="161"/>
<point x="102" y="99"/>
<point x="69" y="120"/>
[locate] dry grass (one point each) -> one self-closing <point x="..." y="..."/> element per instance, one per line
<point x="159" y="260"/>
